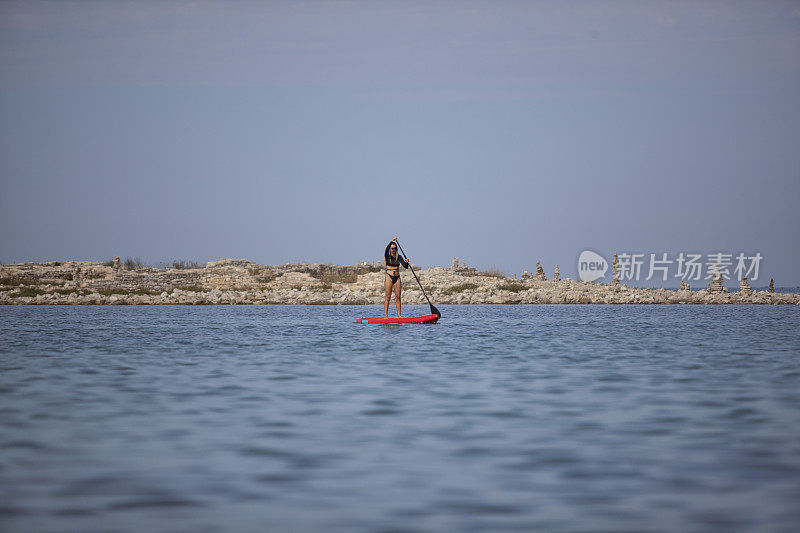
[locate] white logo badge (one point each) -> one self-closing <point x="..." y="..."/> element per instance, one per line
<point x="591" y="266"/>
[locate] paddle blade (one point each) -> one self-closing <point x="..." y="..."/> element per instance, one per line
<point x="435" y="311"/>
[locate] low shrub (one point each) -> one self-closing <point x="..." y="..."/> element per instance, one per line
<point x="334" y="276"/>
<point x="262" y="276"/>
<point x="79" y="292"/>
<point x="126" y="292"/>
<point x="145" y="292"/>
<point x="492" y="273"/>
<point x="366" y="269"/>
<point x="512" y="287"/>
<point x="28" y="291"/>
<point x="192" y="288"/>
<point x="132" y="263"/>
<point x="11" y="280"/>
<point x="182" y="264"/>
<point x="461" y="287"/>
<point x="266" y="278"/>
<point x="67" y="291"/>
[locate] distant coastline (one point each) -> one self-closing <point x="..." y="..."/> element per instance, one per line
<point x="238" y="281"/>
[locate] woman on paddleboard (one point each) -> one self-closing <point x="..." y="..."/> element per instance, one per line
<point x="392" y="277"/>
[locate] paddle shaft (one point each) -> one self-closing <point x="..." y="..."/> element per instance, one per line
<point x="415" y="274"/>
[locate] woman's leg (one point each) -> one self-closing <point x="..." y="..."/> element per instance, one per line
<point x="398" y="289"/>
<point x="387" y="284"/>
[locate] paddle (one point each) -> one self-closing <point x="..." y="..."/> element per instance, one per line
<point x="434" y="311"/>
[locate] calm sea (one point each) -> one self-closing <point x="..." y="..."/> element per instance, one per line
<point x="499" y="418"/>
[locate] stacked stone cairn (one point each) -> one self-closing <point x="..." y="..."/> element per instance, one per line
<point x="526" y="274"/>
<point x="615" y="271"/>
<point x="771" y="286"/>
<point x="556" y="275"/>
<point x="744" y="286"/>
<point x="716" y="282"/>
<point x="539" y="276"/>
<point x="684" y="286"/>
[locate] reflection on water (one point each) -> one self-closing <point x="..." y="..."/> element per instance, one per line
<point x="498" y="418"/>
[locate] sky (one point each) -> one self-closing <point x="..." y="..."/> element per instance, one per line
<point x="499" y="132"/>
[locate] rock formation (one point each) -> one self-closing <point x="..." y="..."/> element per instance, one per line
<point x="526" y="274"/>
<point x="716" y="286"/>
<point x="115" y="262"/>
<point x="615" y="270"/>
<point x="771" y="286"/>
<point x="744" y="286"/>
<point x="556" y="275"/>
<point x="539" y="276"/>
<point x="237" y="281"/>
<point x="684" y="286"/>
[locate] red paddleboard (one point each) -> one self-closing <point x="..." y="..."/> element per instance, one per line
<point x="427" y="319"/>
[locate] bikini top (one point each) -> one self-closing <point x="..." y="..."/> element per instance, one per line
<point x="393" y="265"/>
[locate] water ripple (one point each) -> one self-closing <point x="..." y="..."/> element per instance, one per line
<point x="500" y="418"/>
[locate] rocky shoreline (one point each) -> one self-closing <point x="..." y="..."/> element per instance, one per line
<point x="241" y="282"/>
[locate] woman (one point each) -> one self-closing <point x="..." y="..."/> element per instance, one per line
<point x="392" y="277"/>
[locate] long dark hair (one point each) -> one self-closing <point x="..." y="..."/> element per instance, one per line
<point x="387" y="254"/>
